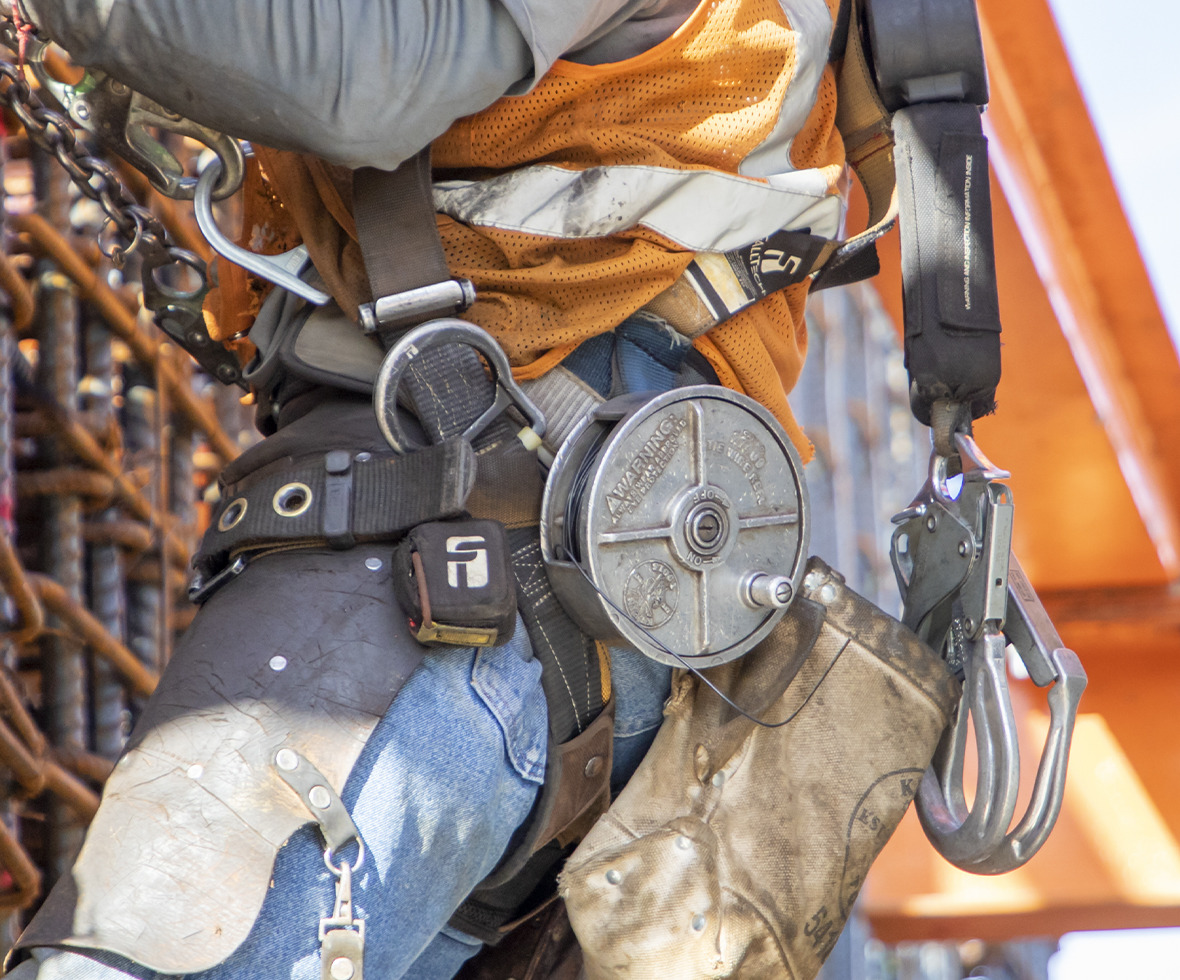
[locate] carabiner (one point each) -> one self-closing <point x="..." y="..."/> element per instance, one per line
<point x="178" y="311"/>
<point x="119" y="119"/>
<point x="1049" y="789"/>
<point x="963" y="590"/>
<point x="965" y="836"/>
<point x="1030" y="631"/>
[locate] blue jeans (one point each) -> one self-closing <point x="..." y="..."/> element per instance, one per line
<point x="447" y="776"/>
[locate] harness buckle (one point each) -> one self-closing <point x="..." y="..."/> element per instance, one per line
<point x="202" y="586"/>
<point x="404" y="309"/>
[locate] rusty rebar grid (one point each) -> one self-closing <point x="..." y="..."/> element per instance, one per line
<point x="88" y="620"/>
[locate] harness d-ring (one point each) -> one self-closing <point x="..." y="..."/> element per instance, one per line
<point x="965" y="835"/>
<point x="434" y="334"/>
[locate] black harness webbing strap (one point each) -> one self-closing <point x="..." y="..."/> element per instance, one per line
<point x="448" y="388"/>
<point x="574" y="689"/>
<point x="337" y="499"/>
<point x="394" y="212"/>
<point x="929" y="69"/>
<point x="952" y="309"/>
<point x="864" y="125"/>
<point x="403" y="254"/>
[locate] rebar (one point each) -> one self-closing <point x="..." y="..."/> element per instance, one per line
<point x="104" y="560"/>
<point x="107" y="436"/>
<point x="64" y="697"/>
<point x="124" y="325"/>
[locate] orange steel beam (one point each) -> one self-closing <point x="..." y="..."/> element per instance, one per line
<point x="1078" y="522"/>
<point x="1153" y="609"/>
<point x="1004" y="926"/>
<point x="1087" y="415"/>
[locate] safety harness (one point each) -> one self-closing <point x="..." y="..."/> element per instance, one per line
<point x="910" y="85"/>
<point x="910" y="129"/>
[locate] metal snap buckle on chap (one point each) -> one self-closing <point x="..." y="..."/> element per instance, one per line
<point x="412" y="344"/>
<point x="338" y="869"/>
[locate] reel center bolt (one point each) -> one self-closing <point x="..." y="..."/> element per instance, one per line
<point x="761" y="589"/>
<point x="707" y="525"/>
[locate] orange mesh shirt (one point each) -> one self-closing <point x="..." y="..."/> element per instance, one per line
<point x="575" y="204"/>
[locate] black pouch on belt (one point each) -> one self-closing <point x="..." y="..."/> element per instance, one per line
<point x="454" y="581"/>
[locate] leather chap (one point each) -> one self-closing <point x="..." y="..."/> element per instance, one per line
<point x="304" y="650"/>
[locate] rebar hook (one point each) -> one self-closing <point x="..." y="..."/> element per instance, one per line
<point x="283" y="270"/>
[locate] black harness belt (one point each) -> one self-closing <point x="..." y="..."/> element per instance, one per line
<point x="337" y="499"/>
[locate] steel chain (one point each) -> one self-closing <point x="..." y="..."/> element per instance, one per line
<point x="96" y="179"/>
<point x="177" y="310"/>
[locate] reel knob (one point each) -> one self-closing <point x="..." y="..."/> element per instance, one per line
<point x="762" y="589"/>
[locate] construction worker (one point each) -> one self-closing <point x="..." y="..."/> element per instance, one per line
<point x="584" y="155"/>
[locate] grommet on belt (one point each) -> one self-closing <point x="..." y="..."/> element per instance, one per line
<point x="338" y="499"/>
<point x="233" y="514"/>
<point x="291" y="499"/>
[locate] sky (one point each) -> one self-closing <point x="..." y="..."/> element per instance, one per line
<point x="1127" y="61"/>
<point x="1130" y="954"/>
<point x="1129" y="72"/>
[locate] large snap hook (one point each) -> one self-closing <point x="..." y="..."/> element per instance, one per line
<point x="283" y="270"/>
<point x="960" y="834"/>
<point x="1048" y="662"/>
<point x="122" y="121"/>
<point x="966" y="595"/>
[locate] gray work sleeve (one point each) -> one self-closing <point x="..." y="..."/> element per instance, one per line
<point x="358" y="82"/>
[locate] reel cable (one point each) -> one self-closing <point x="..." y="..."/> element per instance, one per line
<point x="573" y="504"/>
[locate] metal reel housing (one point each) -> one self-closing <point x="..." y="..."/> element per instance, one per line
<point x="677" y="524"/>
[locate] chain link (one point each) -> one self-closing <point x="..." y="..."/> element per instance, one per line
<point x="96" y="179"/>
<point x="177" y="310"/>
